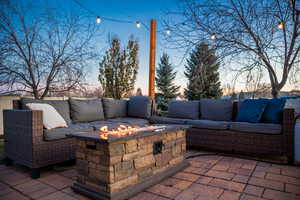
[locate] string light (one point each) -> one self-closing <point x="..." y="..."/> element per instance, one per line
<point x="168" y="31"/>
<point x="280" y="25"/>
<point x="213" y="36"/>
<point x="98" y="20"/>
<point x="138" y="24"/>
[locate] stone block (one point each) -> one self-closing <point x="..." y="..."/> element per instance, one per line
<point x="123" y="170"/>
<point x="115" y="187"/>
<point x="116" y="149"/>
<point x="93" y="158"/>
<point x="145" y="174"/>
<point x="102" y="176"/>
<point x="82" y="167"/>
<point x="131" y="146"/>
<point x="176" y="160"/>
<point x="81" y="143"/>
<point x="144" y="161"/>
<point x="176" y="150"/>
<point x="131" y="156"/>
<point x="163" y="158"/>
<point x="80" y="155"/>
<point x="110" y="160"/>
<point x="180" y="134"/>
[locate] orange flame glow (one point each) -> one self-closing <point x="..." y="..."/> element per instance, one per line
<point x="120" y="131"/>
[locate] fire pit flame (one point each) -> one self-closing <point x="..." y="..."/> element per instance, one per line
<point x="123" y="130"/>
<point x="120" y="131"/>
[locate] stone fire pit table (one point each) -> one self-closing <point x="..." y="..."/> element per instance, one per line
<point x="119" y="167"/>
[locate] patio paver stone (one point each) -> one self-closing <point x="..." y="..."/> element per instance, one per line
<point x="208" y="178"/>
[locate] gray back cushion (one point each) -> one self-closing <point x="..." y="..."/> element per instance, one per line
<point x="184" y="109"/>
<point x="139" y="106"/>
<point x="86" y="110"/>
<point x="62" y="106"/>
<point x="114" y="108"/>
<point x="216" y="109"/>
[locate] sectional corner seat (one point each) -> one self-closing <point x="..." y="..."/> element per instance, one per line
<point x="28" y="143"/>
<point x="213" y="126"/>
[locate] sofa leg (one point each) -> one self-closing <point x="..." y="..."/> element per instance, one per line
<point x="35" y="173"/>
<point x="8" y="162"/>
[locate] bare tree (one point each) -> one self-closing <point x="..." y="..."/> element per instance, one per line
<point x="262" y="32"/>
<point x="255" y="85"/>
<point x="42" y="50"/>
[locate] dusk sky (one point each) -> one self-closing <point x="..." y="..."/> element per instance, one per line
<point x="132" y="10"/>
<point x="142" y="11"/>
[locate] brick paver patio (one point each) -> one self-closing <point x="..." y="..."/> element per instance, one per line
<point x="208" y="177"/>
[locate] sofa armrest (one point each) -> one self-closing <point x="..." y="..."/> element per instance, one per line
<point x="22" y="130"/>
<point x="288" y="130"/>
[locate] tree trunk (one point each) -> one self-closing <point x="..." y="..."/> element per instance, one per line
<point x="275" y="92"/>
<point x="35" y="93"/>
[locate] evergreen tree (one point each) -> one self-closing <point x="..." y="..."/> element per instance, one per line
<point x="165" y="76"/>
<point x="118" y="69"/>
<point x="202" y="73"/>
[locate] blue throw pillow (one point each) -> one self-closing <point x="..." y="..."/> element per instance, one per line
<point x="251" y="110"/>
<point x="273" y="111"/>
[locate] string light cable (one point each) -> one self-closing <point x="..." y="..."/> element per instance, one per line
<point x="138" y="23"/>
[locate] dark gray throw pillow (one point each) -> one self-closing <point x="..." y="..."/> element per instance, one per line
<point x="86" y="110"/>
<point x="216" y="109"/>
<point x="114" y="108"/>
<point x="139" y="106"/>
<point x="184" y="109"/>
<point x="62" y="106"/>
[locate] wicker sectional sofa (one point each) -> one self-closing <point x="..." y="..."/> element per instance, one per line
<point x="215" y="127"/>
<point x="212" y="126"/>
<point x="29" y="144"/>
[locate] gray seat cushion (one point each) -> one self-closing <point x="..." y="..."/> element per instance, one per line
<point x="216" y="109"/>
<point x="184" y="109"/>
<point x="86" y="110"/>
<point x="62" y="106"/>
<point x="167" y="120"/>
<point x="256" y="127"/>
<point x="209" y="124"/>
<point x="114" y="108"/>
<point x="130" y="121"/>
<point x="60" y="133"/>
<point x="139" y="106"/>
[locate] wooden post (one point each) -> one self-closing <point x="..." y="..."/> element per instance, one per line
<point x="152" y="59"/>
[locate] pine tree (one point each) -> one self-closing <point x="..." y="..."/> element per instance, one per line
<point x="165" y="77"/>
<point x="118" y="69"/>
<point x="202" y="73"/>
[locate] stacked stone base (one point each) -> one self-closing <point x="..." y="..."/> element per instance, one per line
<point x="122" y="168"/>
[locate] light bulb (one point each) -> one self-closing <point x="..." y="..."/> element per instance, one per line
<point x="168" y="31"/>
<point x="280" y="25"/>
<point x="138" y="24"/>
<point x="213" y="36"/>
<point x="98" y="20"/>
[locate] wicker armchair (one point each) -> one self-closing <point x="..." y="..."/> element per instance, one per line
<point x="24" y="143"/>
<point x="254" y="144"/>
